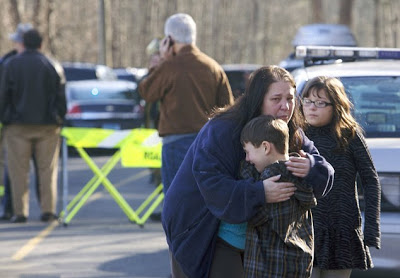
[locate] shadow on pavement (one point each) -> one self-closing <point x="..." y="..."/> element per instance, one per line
<point x="140" y="265"/>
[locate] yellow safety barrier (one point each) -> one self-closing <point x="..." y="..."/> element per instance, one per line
<point x="136" y="148"/>
<point x="142" y="149"/>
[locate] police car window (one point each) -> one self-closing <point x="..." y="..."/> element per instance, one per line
<point x="376" y="103"/>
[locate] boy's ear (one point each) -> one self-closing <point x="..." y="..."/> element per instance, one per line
<point x="267" y="146"/>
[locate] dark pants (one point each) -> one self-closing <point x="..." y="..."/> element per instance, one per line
<point x="227" y="261"/>
<point x="176" y="270"/>
<point x="173" y="154"/>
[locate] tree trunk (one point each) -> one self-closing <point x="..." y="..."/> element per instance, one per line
<point x="46" y="31"/>
<point x="376" y="22"/>
<point x="316" y="8"/>
<point x="346" y="11"/>
<point x="14" y="12"/>
<point x="36" y="14"/>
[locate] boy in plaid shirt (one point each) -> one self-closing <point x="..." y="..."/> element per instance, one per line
<point x="279" y="239"/>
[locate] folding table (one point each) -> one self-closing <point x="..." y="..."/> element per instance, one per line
<point x="136" y="148"/>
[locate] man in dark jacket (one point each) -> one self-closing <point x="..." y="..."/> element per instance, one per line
<point x="32" y="109"/>
<point x="17" y="39"/>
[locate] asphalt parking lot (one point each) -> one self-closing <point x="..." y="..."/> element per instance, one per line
<point x="99" y="241"/>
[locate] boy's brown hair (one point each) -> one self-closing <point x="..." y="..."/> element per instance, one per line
<point x="266" y="128"/>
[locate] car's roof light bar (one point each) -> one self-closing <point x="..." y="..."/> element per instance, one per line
<point x="315" y="53"/>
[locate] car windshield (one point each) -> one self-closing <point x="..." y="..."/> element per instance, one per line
<point x="376" y="104"/>
<point x="94" y="93"/>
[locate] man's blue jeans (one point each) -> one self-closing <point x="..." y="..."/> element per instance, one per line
<point x="172" y="156"/>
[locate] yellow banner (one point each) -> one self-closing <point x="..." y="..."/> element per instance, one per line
<point x="142" y="149"/>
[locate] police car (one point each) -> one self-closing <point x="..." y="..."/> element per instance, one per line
<point x="371" y="77"/>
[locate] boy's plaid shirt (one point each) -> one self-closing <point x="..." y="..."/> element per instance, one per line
<point x="279" y="238"/>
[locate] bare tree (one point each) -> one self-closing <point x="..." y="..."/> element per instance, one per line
<point x="395" y="22"/>
<point x="115" y="35"/>
<point x="14" y="12"/>
<point x="316" y="8"/>
<point x="376" y="22"/>
<point x="48" y="10"/>
<point x="346" y="11"/>
<point x="36" y="13"/>
<point x="230" y="31"/>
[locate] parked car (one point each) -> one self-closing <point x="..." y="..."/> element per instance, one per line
<point x="238" y="75"/>
<point x="318" y="34"/>
<point x="111" y="104"/>
<point x="130" y="74"/>
<point x="85" y="71"/>
<point x="371" y="77"/>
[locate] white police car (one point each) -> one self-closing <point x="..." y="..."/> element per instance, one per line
<point x="371" y="77"/>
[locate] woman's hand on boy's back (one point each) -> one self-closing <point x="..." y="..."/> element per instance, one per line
<point x="299" y="166"/>
<point x="276" y="192"/>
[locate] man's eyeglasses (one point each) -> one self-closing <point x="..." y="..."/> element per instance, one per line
<point x="318" y="103"/>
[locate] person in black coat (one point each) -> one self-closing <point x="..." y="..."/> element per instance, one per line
<point x="6" y="204"/>
<point x="32" y="109"/>
<point x="340" y="243"/>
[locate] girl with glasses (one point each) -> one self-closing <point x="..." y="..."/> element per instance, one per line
<point x="340" y="243"/>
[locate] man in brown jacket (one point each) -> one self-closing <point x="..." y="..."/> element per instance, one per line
<point x="189" y="84"/>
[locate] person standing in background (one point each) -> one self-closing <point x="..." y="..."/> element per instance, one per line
<point x="32" y="109"/>
<point x="152" y="109"/>
<point x="189" y="84"/>
<point x="17" y="38"/>
<point x="152" y="114"/>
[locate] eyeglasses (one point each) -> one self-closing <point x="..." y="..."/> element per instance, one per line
<point x="318" y="103"/>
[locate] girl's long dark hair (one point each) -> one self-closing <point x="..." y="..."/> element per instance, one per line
<point x="249" y="105"/>
<point x="344" y="126"/>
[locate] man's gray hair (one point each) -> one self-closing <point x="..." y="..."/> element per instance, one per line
<point x="181" y="27"/>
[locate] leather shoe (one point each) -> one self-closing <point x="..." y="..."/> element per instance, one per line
<point x="18" y="219"/>
<point x="48" y="216"/>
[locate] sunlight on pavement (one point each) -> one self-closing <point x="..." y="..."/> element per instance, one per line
<point x="27" y="248"/>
